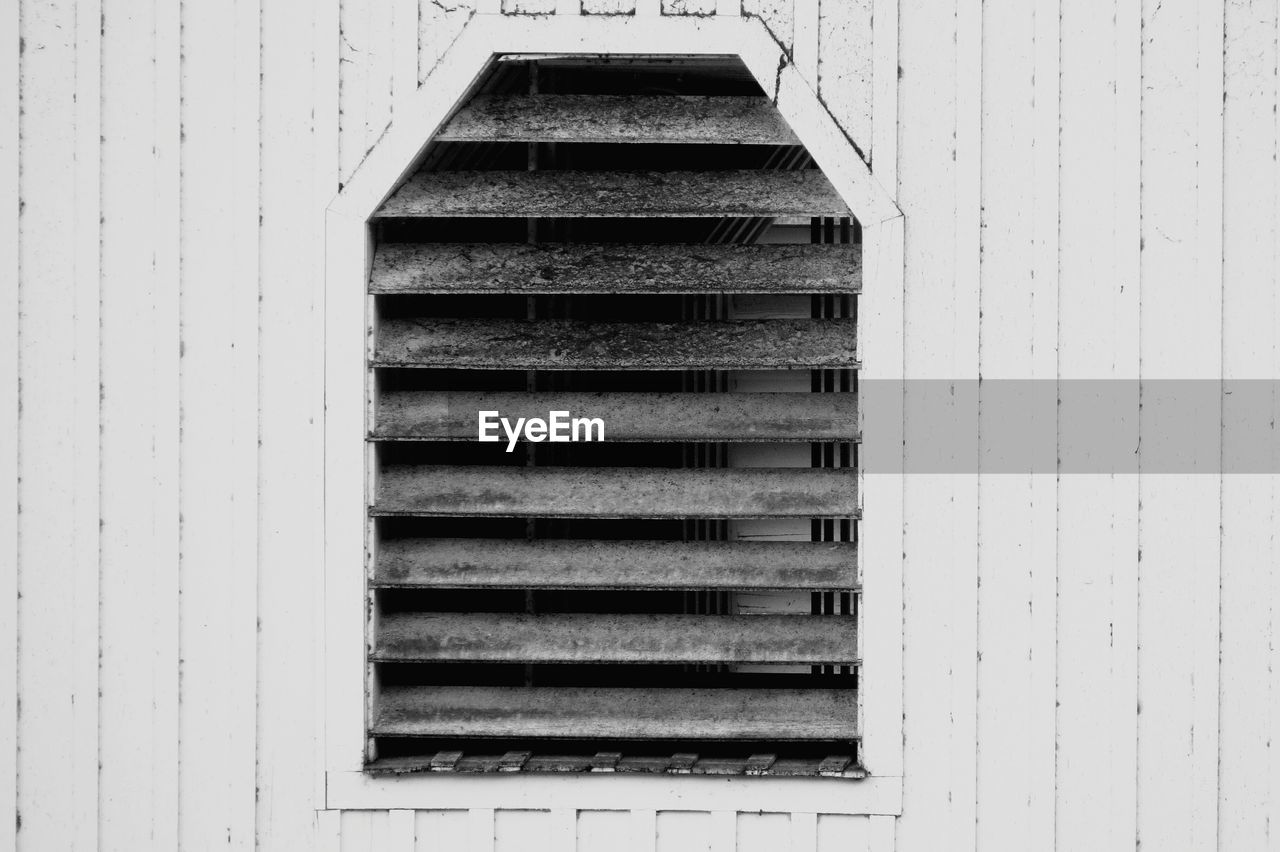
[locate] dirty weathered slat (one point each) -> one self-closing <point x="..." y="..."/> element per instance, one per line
<point x="483" y="563"/>
<point x="615" y="638"/>
<point x="742" y="417"/>
<point x="619" y="118"/>
<point x="744" y="193"/>
<point x="477" y="711"/>
<point x="796" y="767"/>
<point x="488" y="344"/>
<point x="614" y="268"/>
<point x="616" y="492"/>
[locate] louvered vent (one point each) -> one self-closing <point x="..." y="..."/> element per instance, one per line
<point x="644" y="242"/>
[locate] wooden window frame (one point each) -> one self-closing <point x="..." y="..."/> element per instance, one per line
<point x="341" y="780"/>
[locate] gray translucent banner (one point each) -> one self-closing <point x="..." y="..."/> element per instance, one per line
<point x="1081" y="426"/>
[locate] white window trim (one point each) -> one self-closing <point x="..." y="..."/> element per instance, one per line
<point x="342" y="783"/>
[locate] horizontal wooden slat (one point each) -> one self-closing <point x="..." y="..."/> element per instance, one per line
<point x="619" y="118"/>
<point x="763" y="714"/>
<point x="794" y="344"/>
<point x="575" y="564"/>
<point x="616" y="492"/>
<point x="615" y="638"/>
<point x="614" y="268"/>
<point x="743" y="193"/>
<point x="839" y="766"/>
<point x="742" y="417"/>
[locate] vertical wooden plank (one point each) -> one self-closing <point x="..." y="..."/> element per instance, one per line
<point x="246" y="428"/>
<point x="965" y="368"/>
<point x="757" y="832"/>
<point x="9" y="419"/>
<point x="1043" y="558"/>
<point x="1179" y="577"/>
<point x="724" y="831"/>
<point x="804" y="832"/>
<point x="166" y="380"/>
<point x="1248" y="794"/>
<point x="346" y="246"/>
<point x="1122" y="695"/>
<point x="685" y="831"/>
<point x="881" y="545"/>
<point x="1007" y="545"/>
<point x="328" y="831"/>
<point x="598" y="831"/>
<point x="1206" y="589"/>
<point x="401" y="831"/>
<point x="206" y="321"/>
<point x="842" y="833"/>
<point x="644" y="830"/>
<point x="130" y="422"/>
<point x="441" y="830"/>
<point x="326" y="181"/>
<point x="1097" y="509"/>
<point x="47" y="759"/>
<point x="220" y="424"/>
<point x="881" y="338"/>
<point x="480" y="830"/>
<point x="520" y="828"/>
<point x="86" y="449"/>
<point x="927" y="196"/>
<point x="356" y="829"/>
<point x="564" y="829"/>
<point x="378" y="834"/>
<point x="882" y="833"/>
<point x="294" y="148"/>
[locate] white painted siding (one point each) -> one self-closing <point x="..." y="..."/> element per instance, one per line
<point x="1091" y="191"/>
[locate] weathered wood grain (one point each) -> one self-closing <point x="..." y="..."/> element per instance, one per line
<point x="219" y="409"/>
<point x="298" y="167"/>
<point x="614" y="268"/>
<point x="741" y="193"/>
<point x="782" y="714"/>
<point x="53" y="622"/>
<point x="1179" y="516"/>
<point x="1250" y="690"/>
<point x="619" y="118"/>
<point x="491" y="344"/>
<point x="583" y="564"/>
<point x="934" y="345"/>
<point x="739" y="417"/>
<point x="1042" y="712"/>
<point x="1007" y="523"/>
<point x="615" y="638"/>
<point x="616" y="492"/>
<point x="137" y="719"/>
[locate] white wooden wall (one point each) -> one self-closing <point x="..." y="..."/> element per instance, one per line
<point x="1090" y="191"/>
